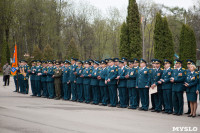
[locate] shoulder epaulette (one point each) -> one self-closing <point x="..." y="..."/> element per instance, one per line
<point x="183" y="68"/>
<point x="161" y="68"/>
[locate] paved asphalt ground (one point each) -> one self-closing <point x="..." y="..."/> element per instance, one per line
<point x="21" y="113"/>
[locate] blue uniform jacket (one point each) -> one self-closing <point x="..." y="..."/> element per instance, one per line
<point x="156" y="76"/>
<point x="65" y="75"/>
<point x="72" y="70"/>
<point x="102" y="74"/>
<point x="38" y="70"/>
<point x="132" y="73"/>
<point x="44" y="75"/>
<point x="112" y="74"/>
<point x="179" y="79"/>
<point x="32" y="73"/>
<point x="143" y="78"/>
<point x="122" y="80"/>
<point x="166" y="76"/>
<point x="95" y="74"/>
<point x="79" y="80"/>
<point x="50" y="73"/>
<point x="86" y="78"/>
<point x="192" y="80"/>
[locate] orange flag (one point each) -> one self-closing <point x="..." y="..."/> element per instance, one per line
<point x="14" y="62"/>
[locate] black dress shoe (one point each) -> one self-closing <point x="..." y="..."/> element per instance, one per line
<point x="187" y="113"/>
<point x="174" y="113"/>
<point x="145" y="109"/>
<point x="153" y="111"/>
<point x="152" y="108"/>
<point x="190" y="115"/>
<point x="14" y="91"/>
<point x="193" y="116"/>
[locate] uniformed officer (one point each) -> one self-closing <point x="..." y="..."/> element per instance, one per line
<point x="44" y="79"/>
<point x="20" y="76"/>
<point x="131" y="75"/>
<point x="61" y="87"/>
<point x="102" y="85"/>
<point x="136" y="66"/>
<point x="112" y="83"/>
<point x="192" y="89"/>
<point x="15" y="77"/>
<point x="189" y="62"/>
<point x="86" y="81"/>
<point x="38" y="78"/>
<point x="66" y="81"/>
<point x="156" y="76"/>
<point x="50" y="80"/>
<point x="57" y="80"/>
<point x="72" y="76"/>
<point x="122" y="85"/>
<point x="95" y="83"/>
<point x="178" y="79"/>
<point x="26" y="68"/>
<point x="143" y="84"/>
<point x="32" y="78"/>
<point x="79" y="81"/>
<point x="167" y="86"/>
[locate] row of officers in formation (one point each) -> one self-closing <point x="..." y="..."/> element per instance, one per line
<point x="111" y="82"/>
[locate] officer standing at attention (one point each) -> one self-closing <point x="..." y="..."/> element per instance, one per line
<point x="79" y="81"/>
<point x="86" y="81"/>
<point x="192" y="89"/>
<point x="95" y="83"/>
<point x="65" y="80"/>
<point x="50" y="80"/>
<point x="32" y="78"/>
<point x="102" y="85"/>
<point x="73" y="68"/>
<point x="178" y="79"/>
<point x="38" y="78"/>
<point x="26" y="77"/>
<point x="167" y="86"/>
<point x="143" y="83"/>
<point x="20" y="76"/>
<point x="44" y="79"/>
<point x="122" y="85"/>
<point x="189" y="62"/>
<point x="57" y="80"/>
<point x="156" y="76"/>
<point x="112" y="83"/>
<point x="131" y="75"/>
<point x="136" y="66"/>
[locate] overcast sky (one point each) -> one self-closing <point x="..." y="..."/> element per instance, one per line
<point x="105" y="4"/>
